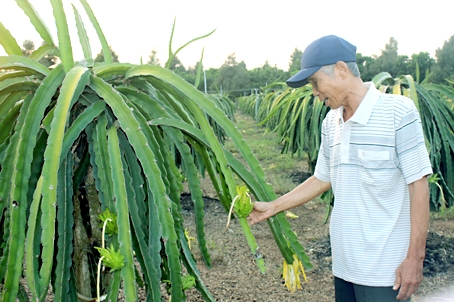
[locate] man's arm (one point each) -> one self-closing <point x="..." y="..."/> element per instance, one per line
<point x="409" y="273"/>
<point x="305" y="192"/>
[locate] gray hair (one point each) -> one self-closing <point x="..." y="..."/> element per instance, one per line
<point x="329" y="69"/>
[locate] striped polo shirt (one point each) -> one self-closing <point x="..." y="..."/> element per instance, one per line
<point x="369" y="161"/>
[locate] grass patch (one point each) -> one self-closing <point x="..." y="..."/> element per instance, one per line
<point x="445" y="214"/>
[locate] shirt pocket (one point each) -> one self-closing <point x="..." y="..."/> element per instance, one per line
<point x="376" y="159"/>
<point x="377" y="171"/>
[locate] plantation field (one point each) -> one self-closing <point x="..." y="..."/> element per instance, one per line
<point x="93" y="154"/>
<point x="234" y="275"/>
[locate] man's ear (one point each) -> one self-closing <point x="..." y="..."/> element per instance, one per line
<point x="341" y="69"/>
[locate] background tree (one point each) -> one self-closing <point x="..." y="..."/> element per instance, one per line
<point x="233" y="76"/>
<point x="295" y="61"/>
<point x="364" y="63"/>
<point x="402" y="65"/>
<point x="152" y="58"/>
<point x="393" y="63"/>
<point x="177" y="66"/>
<point x="211" y="75"/>
<point x="266" y="74"/>
<point x="189" y="74"/>
<point x="444" y="66"/>
<point x="29" y="48"/>
<point x="100" y="56"/>
<point x="387" y="61"/>
<point x="424" y="62"/>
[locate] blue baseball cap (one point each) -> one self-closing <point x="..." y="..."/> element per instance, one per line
<point x="326" y="50"/>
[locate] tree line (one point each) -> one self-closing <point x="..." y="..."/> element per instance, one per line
<point x="234" y="78"/>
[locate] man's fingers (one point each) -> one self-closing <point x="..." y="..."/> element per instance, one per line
<point x="397" y="281"/>
<point x="406" y="291"/>
<point x="407" y="286"/>
<point x="251" y="219"/>
<point x="403" y="292"/>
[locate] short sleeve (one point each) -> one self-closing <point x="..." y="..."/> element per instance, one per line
<point x="411" y="150"/>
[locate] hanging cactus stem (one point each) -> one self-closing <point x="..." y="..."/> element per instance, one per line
<point x="252" y="244"/>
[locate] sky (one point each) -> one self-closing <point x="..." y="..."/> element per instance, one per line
<point x="256" y="31"/>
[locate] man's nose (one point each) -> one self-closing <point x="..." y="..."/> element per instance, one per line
<point x="315" y="91"/>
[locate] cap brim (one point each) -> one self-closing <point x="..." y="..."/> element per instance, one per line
<point x="300" y="79"/>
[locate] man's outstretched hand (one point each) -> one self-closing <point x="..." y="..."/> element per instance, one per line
<point x="262" y="211"/>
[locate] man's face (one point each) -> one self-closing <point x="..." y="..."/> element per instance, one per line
<point x="326" y="88"/>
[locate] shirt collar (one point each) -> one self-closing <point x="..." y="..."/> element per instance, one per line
<point x="366" y="106"/>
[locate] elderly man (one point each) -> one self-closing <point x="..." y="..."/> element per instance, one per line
<point x="374" y="158"/>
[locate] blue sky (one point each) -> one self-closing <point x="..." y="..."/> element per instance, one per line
<point x="255" y="31"/>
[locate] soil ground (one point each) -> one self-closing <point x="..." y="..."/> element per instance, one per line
<point x="234" y="275"/>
